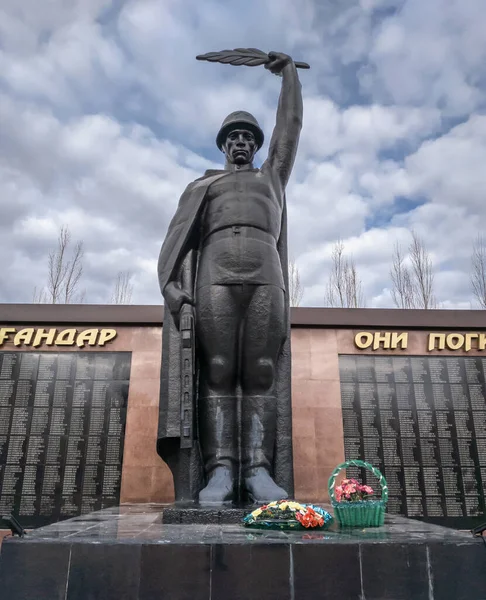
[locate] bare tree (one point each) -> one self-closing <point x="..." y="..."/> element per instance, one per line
<point x="39" y="296"/>
<point x="123" y="289"/>
<point x="403" y="289"/>
<point x="344" y="287"/>
<point x="413" y="287"/>
<point x="74" y="272"/>
<point x="478" y="272"/>
<point x="57" y="267"/>
<point x="65" y="268"/>
<point x="423" y="272"/>
<point x="296" y="289"/>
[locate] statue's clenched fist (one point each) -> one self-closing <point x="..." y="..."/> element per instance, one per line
<point x="175" y="298"/>
<point x="278" y="60"/>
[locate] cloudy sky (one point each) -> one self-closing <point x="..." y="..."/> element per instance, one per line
<point x="105" y="116"/>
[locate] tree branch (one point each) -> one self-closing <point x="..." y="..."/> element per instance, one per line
<point x="344" y="288"/>
<point x="123" y="289"/>
<point x="296" y="289"/>
<point x="478" y="273"/>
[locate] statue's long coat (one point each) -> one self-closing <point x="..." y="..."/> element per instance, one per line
<point x="186" y="465"/>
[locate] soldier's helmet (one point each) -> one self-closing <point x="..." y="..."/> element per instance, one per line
<point x="240" y="119"/>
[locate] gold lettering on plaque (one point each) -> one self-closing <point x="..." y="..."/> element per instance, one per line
<point x="399" y="338"/>
<point x="363" y="340"/>
<point x="482" y="341"/>
<point x="386" y="340"/>
<point x="382" y="338"/>
<point x="42" y="335"/>
<point x="24" y="336"/>
<point x="469" y="338"/>
<point x="106" y="335"/>
<point x="4" y="331"/>
<point x="391" y="340"/>
<point x="88" y="336"/>
<point x="436" y="338"/>
<point x="30" y="336"/>
<point x="454" y="341"/>
<point x="66" y="337"/>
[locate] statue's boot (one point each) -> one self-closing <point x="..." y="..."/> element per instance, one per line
<point x="217" y="431"/>
<point x="258" y="428"/>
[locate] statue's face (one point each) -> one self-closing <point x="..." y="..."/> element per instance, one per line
<point x="240" y="146"/>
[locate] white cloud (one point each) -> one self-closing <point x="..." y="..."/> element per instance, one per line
<point x="430" y="54"/>
<point x="106" y="116"/>
<point x="447" y="174"/>
<point x="451" y="169"/>
<point x="116" y="186"/>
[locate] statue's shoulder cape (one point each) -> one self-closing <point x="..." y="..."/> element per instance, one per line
<point x="180" y="228"/>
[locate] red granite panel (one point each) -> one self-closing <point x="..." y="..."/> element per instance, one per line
<point x="323" y="340"/>
<point x="148" y="339"/>
<point x="145" y="365"/>
<point x="301" y="339"/>
<point x="305" y="451"/>
<point x="306" y="488"/>
<point x="316" y="394"/>
<point x="324" y="366"/>
<point x="136" y="484"/>
<point x="162" y="484"/>
<point x="323" y="472"/>
<point x="329" y="436"/>
<point x="143" y="392"/>
<point x="301" y="366"/>
<point x="140" y="451"/>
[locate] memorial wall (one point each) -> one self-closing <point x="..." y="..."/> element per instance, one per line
<point x="404" y="390"/>
<point x="422" y="421"/>
<point x="78" y="411"/>
<point x="62" y="426"/>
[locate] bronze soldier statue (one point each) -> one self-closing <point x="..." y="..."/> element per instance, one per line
<point x="226" y="434"/>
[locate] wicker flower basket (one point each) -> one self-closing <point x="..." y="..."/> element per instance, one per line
<point x="366" y="513"/>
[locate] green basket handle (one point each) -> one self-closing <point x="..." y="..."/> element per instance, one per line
<point x="358" y="463"/>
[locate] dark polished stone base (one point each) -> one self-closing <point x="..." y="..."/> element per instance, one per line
<point x="203" y="515"/>
<point x="128" y="554"/>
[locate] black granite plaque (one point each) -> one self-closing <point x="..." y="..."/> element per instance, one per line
<point x="62" y="426"/>
<point x="422" y="421"/>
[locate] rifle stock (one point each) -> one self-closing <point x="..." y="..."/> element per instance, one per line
<point x="188" y="372"/>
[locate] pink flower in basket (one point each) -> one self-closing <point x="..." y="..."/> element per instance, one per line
<point x="351" y="490"/>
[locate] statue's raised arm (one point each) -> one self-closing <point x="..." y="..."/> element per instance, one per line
<point x="285" y="138"/>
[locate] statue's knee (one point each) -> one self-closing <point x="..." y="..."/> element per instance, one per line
<point x="220" y="372"/>
<point x="260" y="376"/>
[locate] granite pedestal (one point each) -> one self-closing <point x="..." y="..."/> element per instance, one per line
<point x="129" y="554"/>
<point x="202" y="515"/>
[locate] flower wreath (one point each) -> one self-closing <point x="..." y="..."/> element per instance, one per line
<point x="307" y="515"/>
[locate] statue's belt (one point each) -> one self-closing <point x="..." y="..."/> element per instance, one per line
<point x="243" y="231"/>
